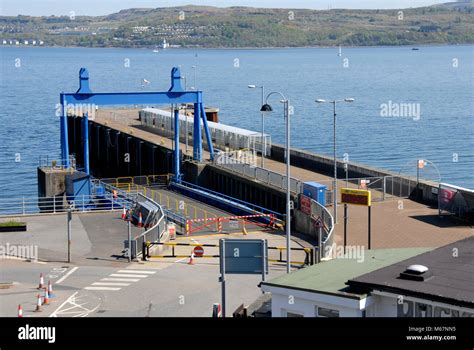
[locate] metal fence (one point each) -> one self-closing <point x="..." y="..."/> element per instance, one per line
<point x="260" y="174"/>
<point x="324" y="220"/>
<point x="152" y="234"/>
<point x="29" y="205"/>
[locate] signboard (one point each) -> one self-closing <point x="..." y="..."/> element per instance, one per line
<point x="357" y="197"/>
<point x="244" y="256"/>
<point x="198" y="251"/>
<point x="305" y="204"/>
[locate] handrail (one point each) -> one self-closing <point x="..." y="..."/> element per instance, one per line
<point x="239" y="201"/>
<point x="319" y="211"/>
<point x="141" y="239"/>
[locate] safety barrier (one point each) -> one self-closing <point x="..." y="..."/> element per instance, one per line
<point x="308" y="252"/>
<point x="220" y="200"/>
<point x="152" y="234"/>
<point x="324" y="221"/>
<point x="46" y="161"/>
<point x="256" y="173"/>
<point x="269" y="221"/>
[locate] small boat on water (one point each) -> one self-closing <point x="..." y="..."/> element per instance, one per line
<point x="156" y="51"/>
<point x="340" y="51"/>
<point x="415" y="49"/>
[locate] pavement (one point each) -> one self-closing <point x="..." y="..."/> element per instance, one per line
<point x="161" y="287"/>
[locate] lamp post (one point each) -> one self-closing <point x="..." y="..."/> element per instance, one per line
<point x="266" y="108"/>
<point x="263" y="140"/>
<point x="334" y="194"/>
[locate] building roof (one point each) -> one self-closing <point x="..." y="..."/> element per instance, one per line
<point x="452" y="280"/>
<point x="330" y="277"/>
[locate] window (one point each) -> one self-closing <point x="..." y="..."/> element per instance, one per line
<point x="324" y="312"/>
<point x="291" y="314"/>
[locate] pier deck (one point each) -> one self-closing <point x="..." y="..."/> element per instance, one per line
<point x="396" y="222"/>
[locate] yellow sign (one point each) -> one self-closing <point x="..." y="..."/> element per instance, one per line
<point x="358" y="197"/>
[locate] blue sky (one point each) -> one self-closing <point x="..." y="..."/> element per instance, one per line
<point x="102" y="7"/>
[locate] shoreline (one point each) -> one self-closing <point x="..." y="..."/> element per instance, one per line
<point x="239" y="48"/>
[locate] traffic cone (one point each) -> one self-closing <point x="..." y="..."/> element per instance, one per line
<point x="50" y="290"/>
<point x="46" y="297"/>
<point x="124" y="213"/>
<point x="20" y="311"/>
<point x="38" y="305"/>
<point x="191" y="259"/>
<point x="140" y="222"/>
<point x="41" y="284"/>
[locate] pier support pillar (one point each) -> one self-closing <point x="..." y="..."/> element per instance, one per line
<point x="177" y="160"/>
<point x="85" y="138"/>
<point x="197" y="138"/>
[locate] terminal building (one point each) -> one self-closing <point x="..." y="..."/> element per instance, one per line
<point x="402" y="282"/>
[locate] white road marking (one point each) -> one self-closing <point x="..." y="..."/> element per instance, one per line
<point x="75" y="306"/>
<point x="179" y="260"/>
<point x="120" y="279"/>
<point x="102" y="288"/>
<point x="110" y="284"/>
<point x="66" y="275"/>
<point x="137" y="271"/>
<point x="124" y="275"/>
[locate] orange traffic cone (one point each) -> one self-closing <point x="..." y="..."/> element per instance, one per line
<point x="140" y="222"/>
<point x="46" y="297"/>
<point x="191" y="259"/>
<point x="124" y="213"/>
<point x="50" y="290"/>
<point x="20" y="311"/>
<point x="41" y="284"/>
<point x="38" y="305"/>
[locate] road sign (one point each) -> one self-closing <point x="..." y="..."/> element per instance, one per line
<point x="357" y="197"/>
<point x="244" y="256"/>
<point x="241" y="256"/>
<point x="198" y="251"/>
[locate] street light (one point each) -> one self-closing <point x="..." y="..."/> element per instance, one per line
<point x="334" y="194"/>
<point x="263" y="140"/>
<point x="266" y="108"/>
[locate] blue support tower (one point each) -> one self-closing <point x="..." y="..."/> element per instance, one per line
<point x="175" y="95"/>
<point x="85" y="141"/>
<point x="177" y="173"/>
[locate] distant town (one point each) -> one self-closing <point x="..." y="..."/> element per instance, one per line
<point x="200" y="26"/>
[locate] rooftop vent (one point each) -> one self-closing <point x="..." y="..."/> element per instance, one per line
<point x="416" y="273"/>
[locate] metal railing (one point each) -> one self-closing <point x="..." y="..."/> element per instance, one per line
<point x="256" y="173"/>
<point x="152" y="234"/>
<point x="29" y="205"/>
<point x="325" y="221"/>
<point x="46" y="161"/>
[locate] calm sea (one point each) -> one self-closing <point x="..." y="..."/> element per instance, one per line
<point x="408" y="104"/>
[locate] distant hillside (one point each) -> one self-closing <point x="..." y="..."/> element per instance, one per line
<point x="202" y="26"/>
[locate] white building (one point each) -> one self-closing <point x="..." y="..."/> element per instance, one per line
<point x="384" y="284"/>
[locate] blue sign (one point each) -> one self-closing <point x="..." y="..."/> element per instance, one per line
<point x="243" y="256"/>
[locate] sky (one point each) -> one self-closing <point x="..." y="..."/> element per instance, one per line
<point x="104" y="7"/>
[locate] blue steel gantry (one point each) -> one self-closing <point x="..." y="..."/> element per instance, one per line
<point x="174" y="96"/>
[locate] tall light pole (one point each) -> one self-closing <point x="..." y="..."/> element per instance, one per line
<point x="266" y="108"/>
<point x="263" y="140"/>
<point x="334" y="194"/>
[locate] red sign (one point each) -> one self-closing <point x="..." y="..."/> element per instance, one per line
<point x="305" y="204"/>
<point x="446" y="195"/>
<point x="198" y="251"/>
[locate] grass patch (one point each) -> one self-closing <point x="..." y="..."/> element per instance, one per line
<point x="12" y="223"/>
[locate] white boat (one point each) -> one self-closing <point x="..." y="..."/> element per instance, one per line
<point x="340" y="51"/>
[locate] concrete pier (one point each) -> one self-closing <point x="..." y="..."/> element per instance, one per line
<point x="397" y="221"/>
